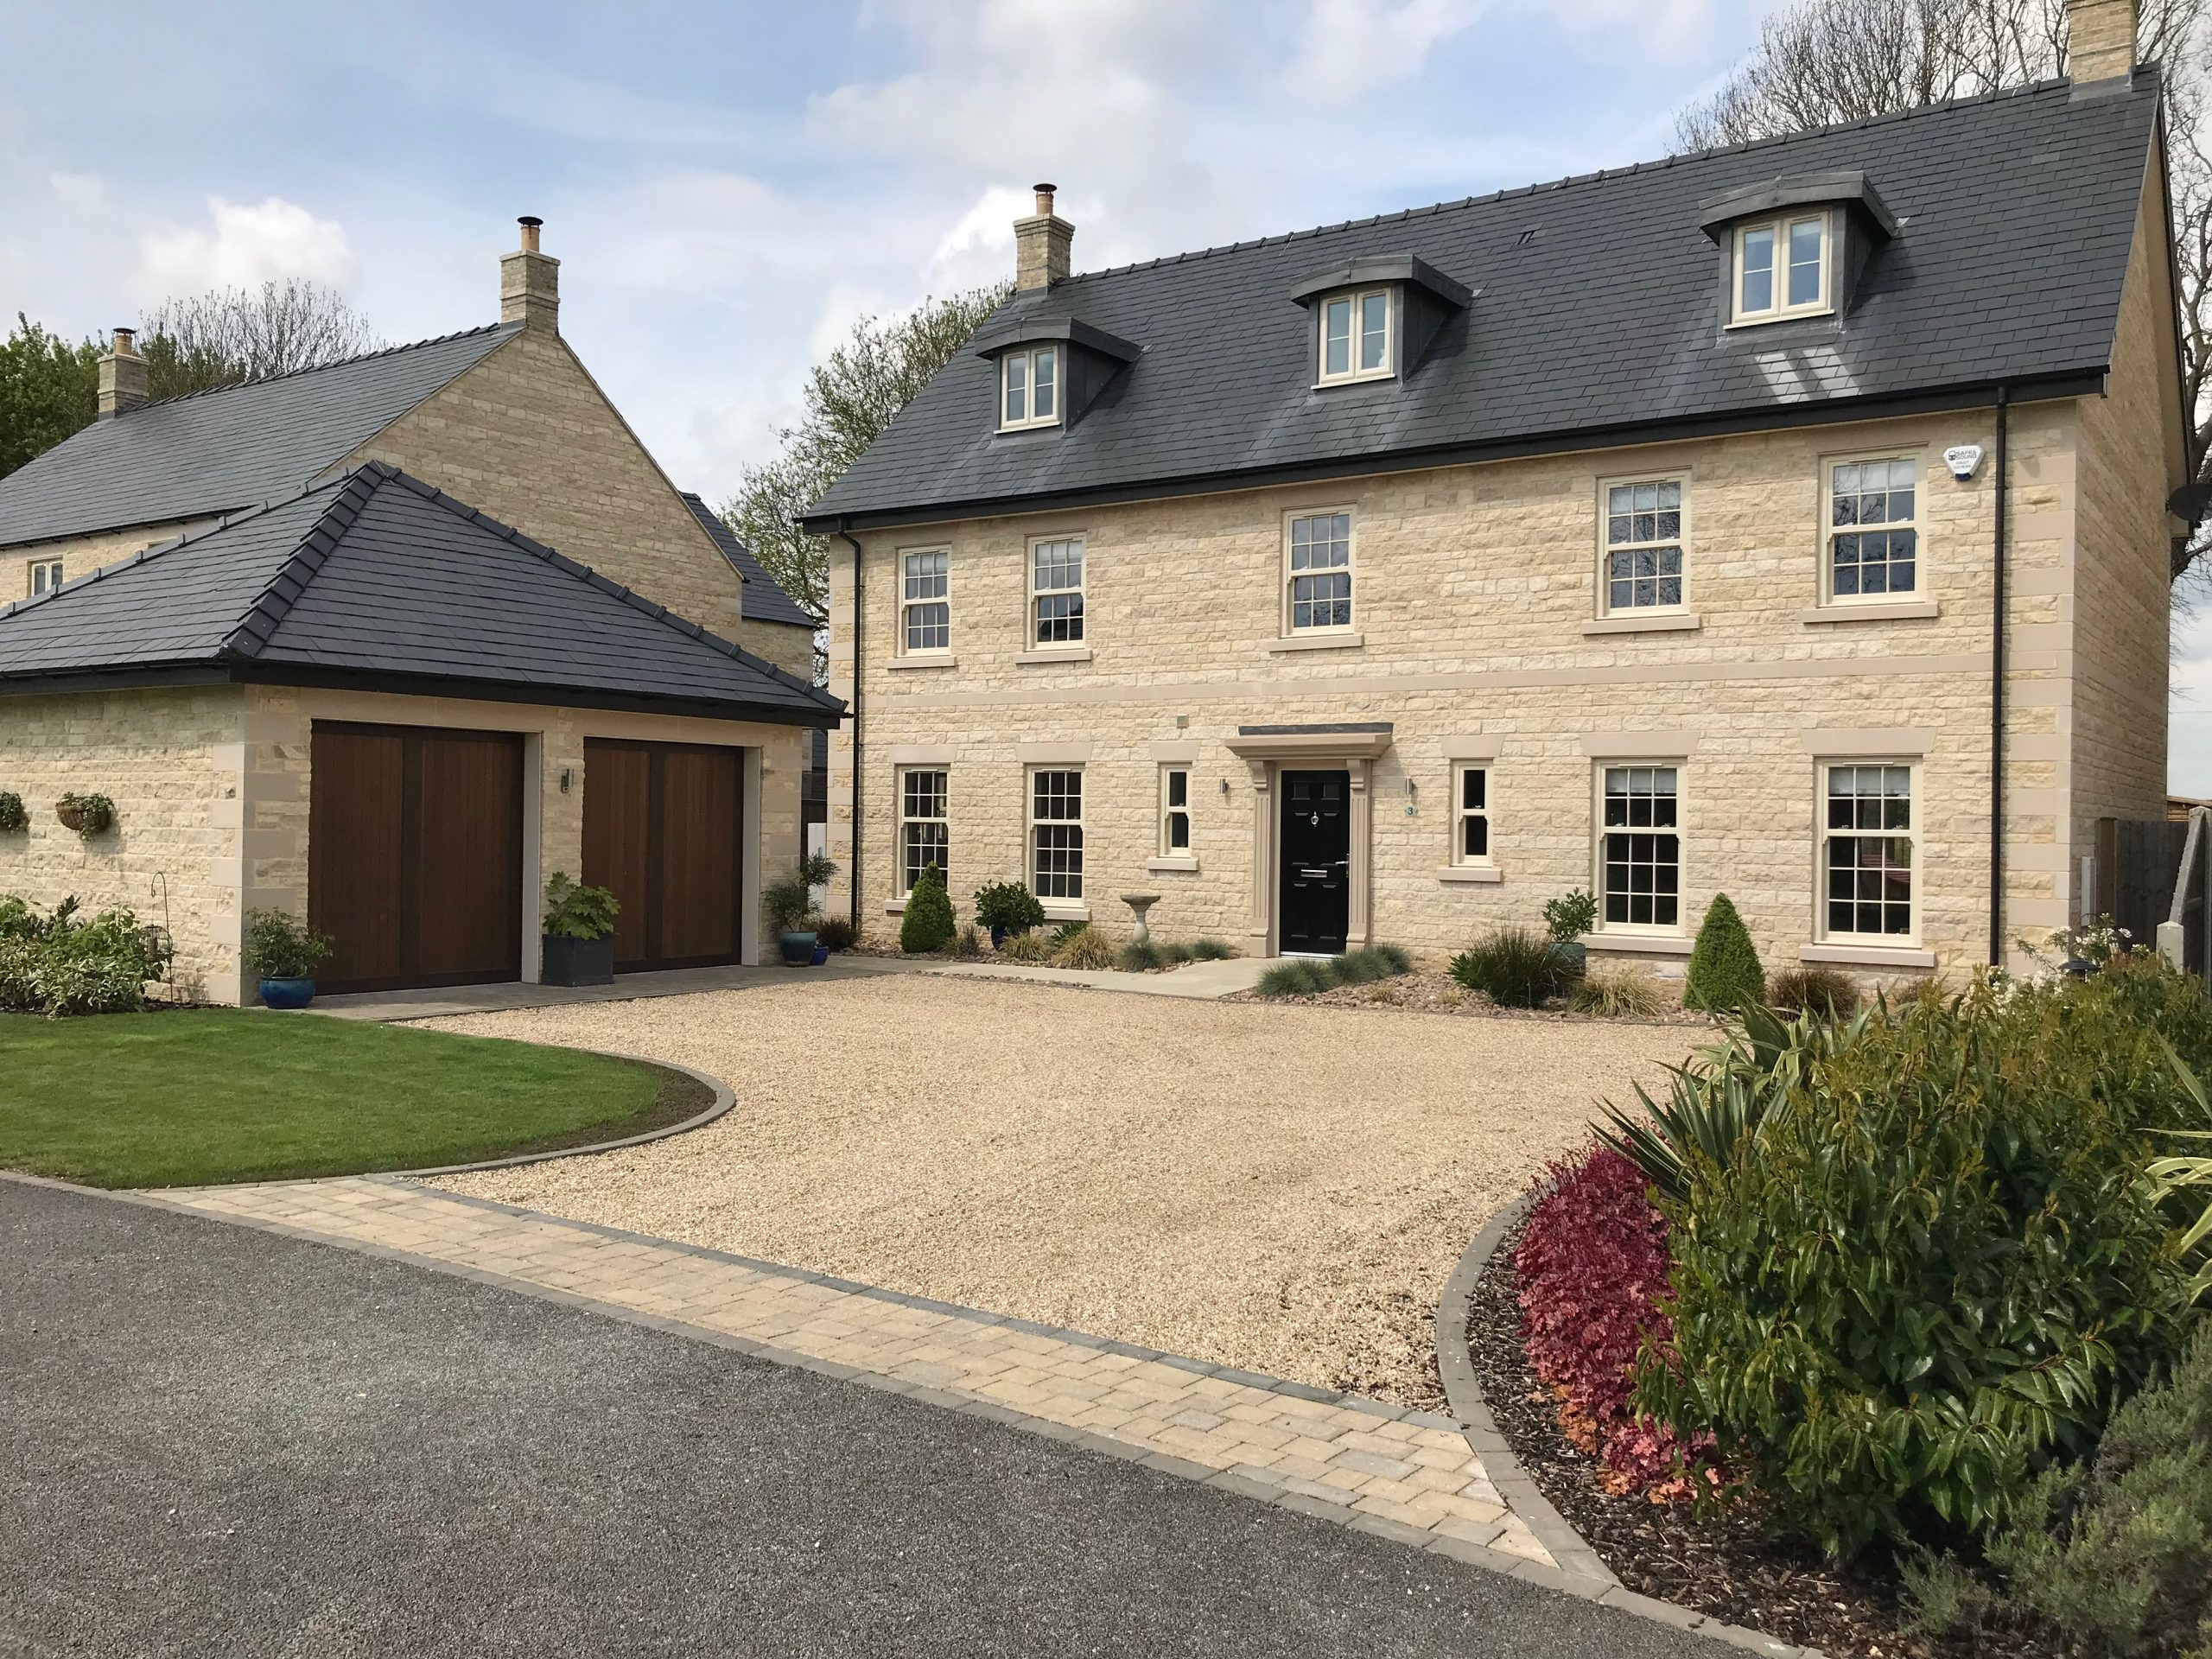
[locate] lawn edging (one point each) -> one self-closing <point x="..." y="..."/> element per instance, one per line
<point x="1582" y="1572"/>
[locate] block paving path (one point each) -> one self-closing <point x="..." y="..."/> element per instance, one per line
<point x="1409" y="1475"/>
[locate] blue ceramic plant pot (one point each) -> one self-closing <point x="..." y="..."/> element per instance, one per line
<point x="287" y="993"/>
<point x="798" y="948"/>
<point x="821" y="953"/>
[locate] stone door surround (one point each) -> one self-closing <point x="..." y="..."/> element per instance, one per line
<point x="1348" y="746"/>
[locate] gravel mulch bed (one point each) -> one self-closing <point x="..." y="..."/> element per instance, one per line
<point x="1730" y="1566"/>
<point x="1251" y="1184"/>
<point x="1433" y="991"/>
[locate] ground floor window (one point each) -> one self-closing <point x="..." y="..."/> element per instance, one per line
<point x="925" y="836"/>
<point x="1866" y="852"/>
<point x="1641" y="848"/>
<point x="1174" y="810"/>
<point x="1056" y="833"/>
<point x="1471" y="814"/>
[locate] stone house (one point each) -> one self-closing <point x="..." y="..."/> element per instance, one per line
<point x="386" y="644"/>
<point x="1789" y="520"/>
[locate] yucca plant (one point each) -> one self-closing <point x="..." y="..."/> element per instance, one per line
<point x="2181" y="1172"/>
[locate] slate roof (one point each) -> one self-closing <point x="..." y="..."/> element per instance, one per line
<point x="220" y="451"/>
<point x="1597" y="310"/>
<point x="376" y="578"/>
<point x="764" y="600"/>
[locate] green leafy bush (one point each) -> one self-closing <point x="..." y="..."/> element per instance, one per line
<point x="1626" y="993"/>
<point x="1139" y="957"/>
<point x="1513" y="967"/>
<point x="1720" y="1096"/>
<point x="1088" y="947"/>
<point x="1009" y="905"/>
<point x="574" y="909"/>
<point x="1210" y="949"/>
<point x="786" y="902"/>
<point x="279" y="946"/>
<point x="57" y="965"/>
<point x="1943" y="1265"/>
<point x="927" y="925"/>
<point x="1828" y="992"/>
<point x="12" y="816"/>
<point x="1570" y="915"/>
<point x="1725" y="973"/>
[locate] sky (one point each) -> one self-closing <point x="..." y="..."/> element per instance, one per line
<point x="730" y="185"/>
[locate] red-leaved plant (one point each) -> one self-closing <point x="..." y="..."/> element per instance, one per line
<point x="1589" y="1269"/>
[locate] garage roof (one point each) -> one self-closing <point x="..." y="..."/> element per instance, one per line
<point x="376" y="579"/>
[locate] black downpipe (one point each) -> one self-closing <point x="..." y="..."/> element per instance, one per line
<point x="1996" y="710"/>
<point x="858" y="662"/>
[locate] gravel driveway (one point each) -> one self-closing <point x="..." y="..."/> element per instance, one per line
<point x="1281" y="1189"/>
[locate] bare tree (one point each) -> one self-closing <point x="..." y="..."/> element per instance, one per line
<point x="228" y="336"/>
<point x="1827" y="60"/>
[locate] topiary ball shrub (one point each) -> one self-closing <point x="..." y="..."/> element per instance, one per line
<point x="1827" y="992"/>
<point x="927" y="925"/>
<point x="1725" y="973"/>
<point x="1513" y="967"/>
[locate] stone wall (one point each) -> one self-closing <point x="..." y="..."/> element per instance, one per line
<point x="170" y="761"/>
<point x="82" y="555"/>
<point x="1477" y="617"/>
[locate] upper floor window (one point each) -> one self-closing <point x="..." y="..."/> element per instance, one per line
<point x="1782" y="268"/>
<point x="1643" y="545"/>
<point x="924" y="607"/>
<point x="1874" y="529"/>
<point x="45" y="577"/>
<point x="1056" y="591"/>
<point x="1355" y="343"/>
<point x="1029" y="387"/>
<point x="1319" y="575"/>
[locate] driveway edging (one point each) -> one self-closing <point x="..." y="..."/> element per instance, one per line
<point x="1584" y="1572"/>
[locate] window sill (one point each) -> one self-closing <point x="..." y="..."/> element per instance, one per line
<point x="1641" y="944"/>
<point x="1067" y="912"/>
<point x="1366" y="379"/>
<point x="1665" y="622"/>
<point x="900" y="664"/>
<point x="1908" y="610"/>
<point x="1159" y="866"/>
<point x="1768" y="319"/>
<point x="1477" y="873"/>
<point x="1868" y="956"/>
<point x="1066" y="654"/>
<point x="894" y="906"/>
<point x="1319" y="642"/>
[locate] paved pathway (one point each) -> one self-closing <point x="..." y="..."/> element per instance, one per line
<point x="220" y="1441"/>
<point x="1409" y="1474"/>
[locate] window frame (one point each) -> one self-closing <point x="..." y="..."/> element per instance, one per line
<point x="907" y="604"/>
<point x="1081" y="590"/>
<point x="1031" y="822"/>
<point x="1681" y="479"/>
<point x="1461" y="859"/>
<point x="1286" y="602"/>
<point x="1353" y="374"/>
<point x="1678" y="766"/>
<point x="1169" y="812"/>
<point x="901" y="774"/>
<point x="1822" y="833"/>
<point x="31" y="572"/>
<point x="1828" y="597"/>
<point x="1780" y="224"/>
<point x="1027" y="356"/>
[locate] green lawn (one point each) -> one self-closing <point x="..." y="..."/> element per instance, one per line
<point x="180" y="1098"/>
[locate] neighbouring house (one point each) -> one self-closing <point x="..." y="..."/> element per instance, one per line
<point x="387" y="643"/>
<point x="1789" y="520"/>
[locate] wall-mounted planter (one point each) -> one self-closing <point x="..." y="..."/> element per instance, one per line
<point x="13" y="818"/>
<point x="86" y="815"/>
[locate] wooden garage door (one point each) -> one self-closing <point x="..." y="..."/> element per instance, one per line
<point x="663" y="830"/>
<point x="415" y="856"/>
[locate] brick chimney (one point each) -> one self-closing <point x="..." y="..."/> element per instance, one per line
<point x="1040" y="244"/>
<point x="123" y="376"/>
<point x="529" y="283"/>
<point x="2099" y="41"/>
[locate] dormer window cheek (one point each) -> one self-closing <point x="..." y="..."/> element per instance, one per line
<point x="1029" y="388"/>
<point x="1783" y="268"/>
<point x="1358" y="338"/>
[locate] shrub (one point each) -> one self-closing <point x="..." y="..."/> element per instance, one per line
<point x="279" y="947"/>
<point x="574" y="909"/>
<point x="1139" y="956"/>
<point x="1066" y="932"/>
<point x="1009" y="905"/>
<point x="1027" y="947"/>
<point x="1210" y="950"/>
<point x="1175" y="953"/>
<point x="12" y="816"/>
<point x="57" y="965"/>
<point x="835" y="931"/>
<point x="1827" y="992"/>
<point x="1570" y="915"/>
<point x="1944" y="1264"/>
<point x="927" y="925"/>
<point x="815" y="869"/>
<point x="786" y="902"/>
<point x="1513" y="967"/>
<point x="967" y="943"/>
<point x="1087" y="947"/>
<point x="1297" y="977"/>
<point x="1589" y="1273"/>
<point x="1725" y="973"/>
<point x="87" y="815"/>
<point x="1630" y="993"/>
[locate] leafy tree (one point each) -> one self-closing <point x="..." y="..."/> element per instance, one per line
<point x="1725" y="973"/>
<point x="851" y="396"/>
<point x="1822" y="61"/>
<point x="48" y="389"/>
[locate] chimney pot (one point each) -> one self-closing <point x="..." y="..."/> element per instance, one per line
<point x="529" y="223"/>
<point x="1043" y="198"/>
<point x="123" y="342"/>
<point x="122" y="377"/>
<point x="530" y="282"/>
<point x="2100" y="42"/>
<point x="1041" y="244"/>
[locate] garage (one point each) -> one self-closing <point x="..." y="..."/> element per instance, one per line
<point x="415" y="856"/>
<point x="663" y="831"/>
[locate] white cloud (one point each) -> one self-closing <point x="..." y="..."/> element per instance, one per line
<point x="1349" y="48"/>
<point x="83" y="191"/>
<point x="244" y="245"/>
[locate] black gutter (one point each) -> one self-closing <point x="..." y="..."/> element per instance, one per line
<point x="859" y="667"/>
<point x="1997" y="705"/>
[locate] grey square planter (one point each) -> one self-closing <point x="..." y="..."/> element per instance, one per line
<point x="579" y="962"/>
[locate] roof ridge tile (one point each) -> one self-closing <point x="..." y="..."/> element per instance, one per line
<point x="319" y="368"/>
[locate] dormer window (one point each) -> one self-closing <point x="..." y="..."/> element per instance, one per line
<point x="1029" y="388"/>
<point x="1782" y="268"/>
<point x="1356" y="337"/>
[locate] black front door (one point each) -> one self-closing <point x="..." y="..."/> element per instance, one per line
<point x="1315" y="904"/>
